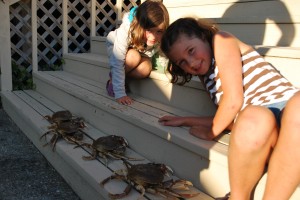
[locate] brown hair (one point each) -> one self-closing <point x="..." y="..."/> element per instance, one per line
<point x="148" y="15"/>
<point x="191" y="27"/>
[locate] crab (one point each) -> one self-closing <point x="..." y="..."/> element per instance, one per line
<point x="112" y="146"/>
<point x="71" y="131"/>
<point x="150" y="178"/>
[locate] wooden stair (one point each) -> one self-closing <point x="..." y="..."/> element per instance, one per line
<point x="27" y="108"/>
<point x="80" y="88"/>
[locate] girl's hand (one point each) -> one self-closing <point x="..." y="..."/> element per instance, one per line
<point x="202" y="132"/>
<point x="171" y="121"/>
<point x="126" y="100"/>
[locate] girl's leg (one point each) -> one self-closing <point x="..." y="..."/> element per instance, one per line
<point x="252" y="138"/>
<point x="284" y="167"/>
<point x="137" y="66"/>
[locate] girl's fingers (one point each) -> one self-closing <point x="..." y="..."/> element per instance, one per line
<point x="165" y="118"/>
<point x="125" y="100"/>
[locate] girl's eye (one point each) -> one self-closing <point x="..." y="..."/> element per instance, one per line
<point x="181" y="63"/>
<point x="191" y="51"/>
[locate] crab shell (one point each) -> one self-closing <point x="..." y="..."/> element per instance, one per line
<point x="111" y="143"/>
<point x="59" y="116"/>
<point x="148" y="174"/>
<point x="69" y="128"/>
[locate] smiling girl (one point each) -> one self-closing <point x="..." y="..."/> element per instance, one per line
<point x="131" y="46"/>
<point x="253" y="100"/>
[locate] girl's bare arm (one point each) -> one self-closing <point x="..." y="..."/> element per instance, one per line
<point x="228" y="59"/>
<point x="185" y="121"/>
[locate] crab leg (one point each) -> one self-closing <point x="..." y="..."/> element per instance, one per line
<point x="119" y="157"/>
<point x="54" y="142"/>
<point x="44" y="135"/>
<point x="120" y="177"/>
<point x="83" y="145"/>
<point x="92" y="157"/>
<point x="123" y="194"/>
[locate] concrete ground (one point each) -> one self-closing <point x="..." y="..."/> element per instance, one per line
<point x="24" y="172"/>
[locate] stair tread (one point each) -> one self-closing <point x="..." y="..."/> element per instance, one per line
<point x="35" y="106"/>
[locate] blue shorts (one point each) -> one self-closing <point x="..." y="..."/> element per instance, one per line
<point x="277" y="108"/>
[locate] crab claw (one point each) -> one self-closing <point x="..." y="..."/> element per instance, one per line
<point x="181" y="185"/>
<point x="188" y="195"/>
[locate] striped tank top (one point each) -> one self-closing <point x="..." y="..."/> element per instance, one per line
<point x="262" y="83"/>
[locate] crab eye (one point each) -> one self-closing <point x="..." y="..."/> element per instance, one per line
<point x="168" y="170"/>
<point x="125" y="141"/>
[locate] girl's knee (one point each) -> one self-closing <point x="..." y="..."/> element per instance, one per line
<point x="291" y="114"/>
<point x="254" y="128"/>
<point x="294" y="102"/>
<point x="142" y="70"/>
<point x="146" y="67"/>
<point x="133" y="58"/>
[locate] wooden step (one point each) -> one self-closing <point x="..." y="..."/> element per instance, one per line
<point x="27" y="109"/>
<point x="138" y="123"/>
<point x="207" y="164"/>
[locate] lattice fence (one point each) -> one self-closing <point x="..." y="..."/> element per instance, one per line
<point x="49" y="28"/>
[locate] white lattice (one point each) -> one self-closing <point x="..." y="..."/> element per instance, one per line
<point x="49" y="28"/>
<point x="21" y="34"/>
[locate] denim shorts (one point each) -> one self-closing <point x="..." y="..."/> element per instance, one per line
<point x="277" y="108"/>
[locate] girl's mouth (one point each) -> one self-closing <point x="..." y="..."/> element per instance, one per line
<point x="151" y="42"/>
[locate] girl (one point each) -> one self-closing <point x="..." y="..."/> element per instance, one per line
<point x="131" y="46"/>
<point x="253" y="100"/>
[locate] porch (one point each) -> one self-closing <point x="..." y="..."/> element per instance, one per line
<point x="80" y="88"/>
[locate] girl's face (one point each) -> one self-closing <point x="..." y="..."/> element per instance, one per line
<point x="153" y="35"/>
<point x="191" y="54"/>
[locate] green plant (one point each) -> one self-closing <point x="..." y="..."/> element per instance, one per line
<point x="57" y="66"/>
<point x="21" y="78"/>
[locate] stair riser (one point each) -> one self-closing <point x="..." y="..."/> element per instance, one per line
<point x="264" y="34"/>
<point x="249" y="33"/>
<point x="292" y="61"/>
<point x="141" y="140"/>
<point x="98" y="46"/>
<point x="87" y="70"/>
<point x="281" y="62"/>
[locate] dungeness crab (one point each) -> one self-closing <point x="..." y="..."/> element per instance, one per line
<point x="71" y="131"/>
<point x="150" y="177"/>
<point x="112" y="146"/>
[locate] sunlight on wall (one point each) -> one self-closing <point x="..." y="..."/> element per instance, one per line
<point x="169" y="137"/>
<point x="272" y="33"/>
<point x="215" y="181"/>
<point x="162" y="82"/>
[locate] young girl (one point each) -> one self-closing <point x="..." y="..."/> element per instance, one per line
<point x="131" y="46"/>
<point x="253" y="100"/>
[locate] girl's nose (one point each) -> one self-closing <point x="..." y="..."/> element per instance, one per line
<point x="191" y="63"/>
